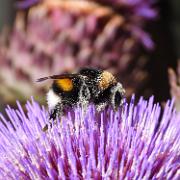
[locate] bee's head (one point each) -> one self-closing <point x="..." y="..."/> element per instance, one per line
<point x="117" y="95"/>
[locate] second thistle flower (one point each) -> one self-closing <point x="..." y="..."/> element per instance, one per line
<point x="57" y="36"/>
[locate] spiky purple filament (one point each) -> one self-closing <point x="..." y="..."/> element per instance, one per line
<point x="127" y="144"/>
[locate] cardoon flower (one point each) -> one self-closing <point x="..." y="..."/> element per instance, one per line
<point x="135" y="142"/>
<point x="57" y="36"/>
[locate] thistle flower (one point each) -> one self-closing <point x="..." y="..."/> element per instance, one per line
<point x="133" y="143"/>
<point x="57" y="36"/>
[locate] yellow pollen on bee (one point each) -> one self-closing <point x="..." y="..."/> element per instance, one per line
<point x="65" y="84"/>
<point x="106" y="79"/>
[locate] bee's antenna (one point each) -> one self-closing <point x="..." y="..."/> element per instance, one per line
<point x="42" y="79"/>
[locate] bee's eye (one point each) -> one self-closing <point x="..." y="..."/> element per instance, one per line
<point x="117" y="98"/>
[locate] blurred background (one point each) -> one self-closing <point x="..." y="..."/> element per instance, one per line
<point x="135" y="40"/>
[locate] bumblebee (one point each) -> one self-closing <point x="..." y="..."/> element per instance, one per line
<point x="87" y="86"/>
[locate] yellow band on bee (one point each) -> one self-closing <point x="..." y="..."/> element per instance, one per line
<point x="106" y="79"/>
<point x="65" y="84"/>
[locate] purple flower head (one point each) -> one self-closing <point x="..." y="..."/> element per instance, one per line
<point x="133" y="143"/>
<point x="134" y="11"/>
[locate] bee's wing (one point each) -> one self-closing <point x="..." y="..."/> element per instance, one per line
<point x="61" y="76"/>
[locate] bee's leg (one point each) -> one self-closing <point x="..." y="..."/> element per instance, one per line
<point x="101" y="106"/>
<point x="45" y="128"/>
<point x="84" y="97"/>
<point x="56" y="112"/>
